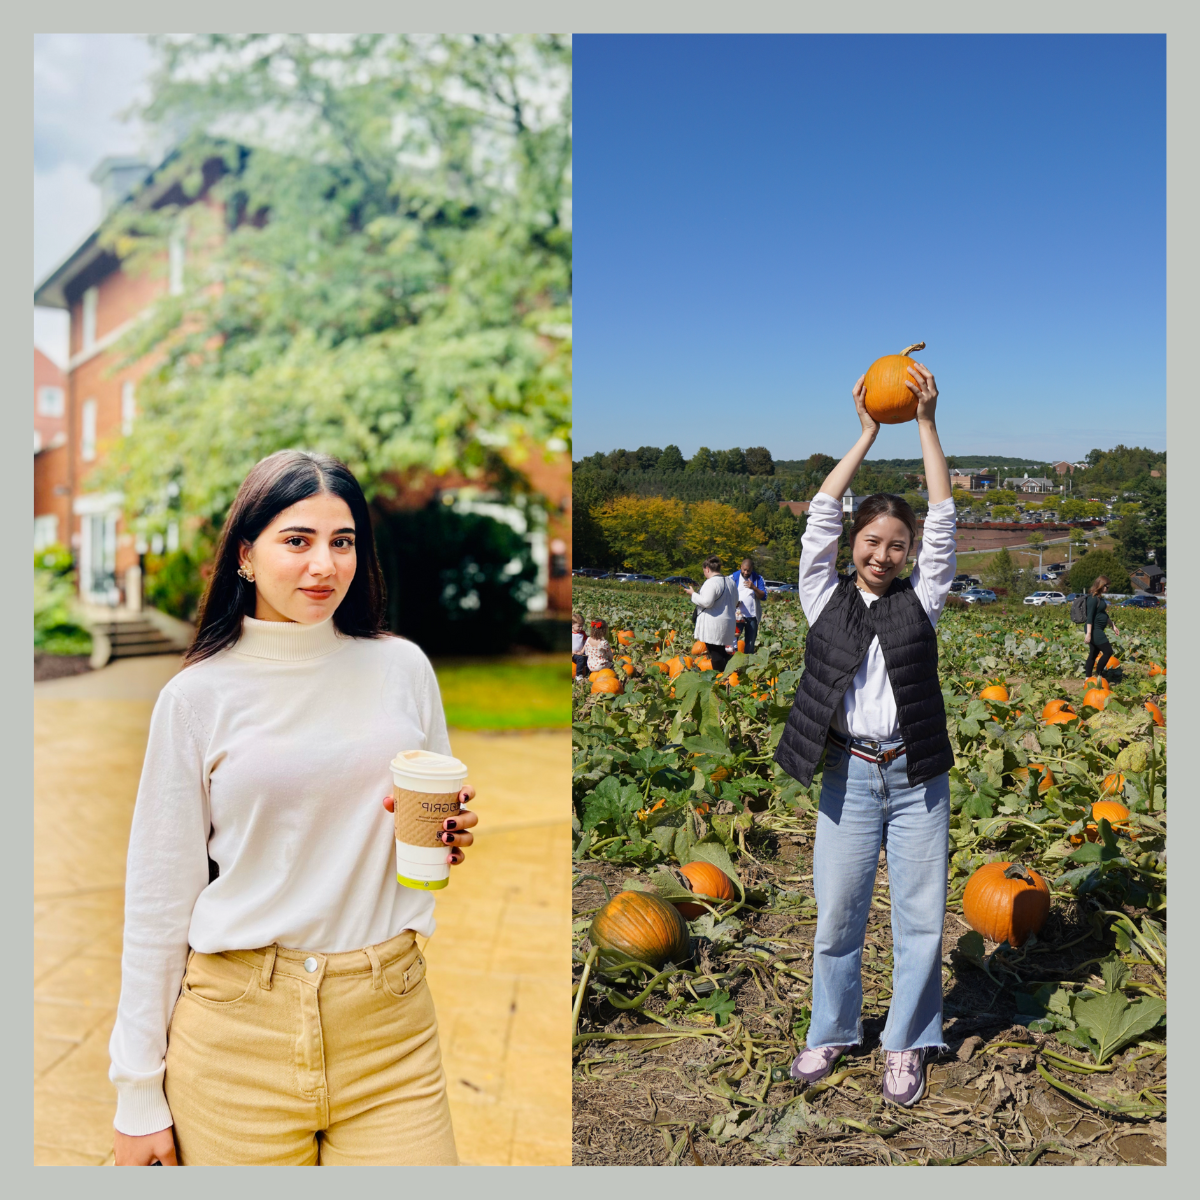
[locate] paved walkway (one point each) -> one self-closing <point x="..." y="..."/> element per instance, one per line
<point x="498" y="963"/>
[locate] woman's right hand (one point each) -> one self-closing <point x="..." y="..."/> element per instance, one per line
<point x="869" y="424"/>
<point x="145" y="1151"/>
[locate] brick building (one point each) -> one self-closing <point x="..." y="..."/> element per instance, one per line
<point x="100" y="405"/>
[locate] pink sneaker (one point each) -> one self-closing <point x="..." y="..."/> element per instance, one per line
<point x="811" y="1065"/>
<point x="904" y="1076"/>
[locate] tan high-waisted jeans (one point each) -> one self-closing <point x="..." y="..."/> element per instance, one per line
<point x="282" y="1057"/>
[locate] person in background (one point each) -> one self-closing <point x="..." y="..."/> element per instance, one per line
<point x="1095" y="630"/>
<point x="597" y="650"/>
<point x="752" y="591"/>
<point x="578" y="637"/>
<point x="716" y="623"/>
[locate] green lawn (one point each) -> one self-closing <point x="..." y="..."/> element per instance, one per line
<point x="506" y="693"/>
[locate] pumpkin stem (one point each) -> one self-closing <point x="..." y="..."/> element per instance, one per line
<point x="1018" y="871"/>
<point x="909" y="349"/>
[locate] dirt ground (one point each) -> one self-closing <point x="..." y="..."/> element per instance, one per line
<point x="722" y="1096"/>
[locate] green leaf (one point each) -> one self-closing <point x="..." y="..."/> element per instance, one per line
<point x="705" y="745"/>
<point x="720" y="1004"/>
<point x="978" y="806"/>
<point x="1114" y="972"/>
<point x="668" y="887"/>
<point x="1050" y="736"/>
<point x="1114" y="1022"/>
<point x="971" y="944"/>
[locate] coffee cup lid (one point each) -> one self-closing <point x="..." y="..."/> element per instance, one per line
<point x="424" y="764"/>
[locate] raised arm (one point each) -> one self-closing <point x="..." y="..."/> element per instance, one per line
<point x="937" y="474"/>
<point x="839" y="479"/>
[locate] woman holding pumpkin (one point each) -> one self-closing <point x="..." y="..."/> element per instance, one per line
<point x="273" y="1006"/>
<point x="870" y="702"/>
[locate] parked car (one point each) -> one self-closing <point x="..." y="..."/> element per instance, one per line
<point x="978" y="596"/>
<point x="679" y="581"/>
<point x="1143" y="602"/>
<point x="632" y="577"/>
<point x="588" y="572"/>
<point x="962" y="579"/>
<point x="959" y="585"/>
<point x="1040" y="598"/>
<point x="775" y="585"/>
<point x="789" y="589"/>
<point x="1056" y="568"/>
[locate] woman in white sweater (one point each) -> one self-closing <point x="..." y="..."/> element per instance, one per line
<point x="273" y="1009"/>
<point x="716" y="616"/>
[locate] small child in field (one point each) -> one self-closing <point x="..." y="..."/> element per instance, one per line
<point x="578" y="637"/>
<point x="599" y="652"/>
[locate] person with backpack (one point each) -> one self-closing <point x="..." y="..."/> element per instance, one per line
<point x="1096" y="621"/>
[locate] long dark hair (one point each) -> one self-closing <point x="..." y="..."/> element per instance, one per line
<point x="275" y="483"/>
<point x="1101" y="581"/>
<point x="884" y="504"/>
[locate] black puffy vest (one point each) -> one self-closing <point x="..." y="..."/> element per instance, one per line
<point x="833" y="652"/>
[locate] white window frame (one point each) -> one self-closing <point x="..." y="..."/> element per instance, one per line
<point x="87" y="430"/>
<point x="45" y="531"/>
<point x="128" y="407"/>
<point x="52" y="401"/>
<point x="91" y="303"/>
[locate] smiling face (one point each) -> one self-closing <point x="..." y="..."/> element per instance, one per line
<point x="880" y="551"/>
<point x="304" y="561"/>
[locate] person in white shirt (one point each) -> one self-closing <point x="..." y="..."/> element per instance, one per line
<point x="870" y="700"/>
<point x="273" y="1008"/>
<point x="752" y="591"/>
<point x="716" y="623"/>
<point x="578" y="638"/>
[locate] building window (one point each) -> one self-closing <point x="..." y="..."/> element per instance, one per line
<point x="45" y="531"/>
<point x="90" y="299"/>
<point x="37" y="441"/>
<point x="176" y="253"/>
<point x="87" y="439"/>
<point x="51" y="402"/>
<point x="128" y="407"/>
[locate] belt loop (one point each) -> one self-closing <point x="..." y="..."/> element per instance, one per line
<point x="268" y="968"/>
<point x="376" y="969"/>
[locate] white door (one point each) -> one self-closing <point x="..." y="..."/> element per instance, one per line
<point x="98" y="559"/>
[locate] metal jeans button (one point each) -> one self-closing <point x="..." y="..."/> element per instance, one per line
<point x="310" y="964"/>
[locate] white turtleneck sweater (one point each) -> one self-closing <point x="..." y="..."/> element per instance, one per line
<point x="271" y="758"/>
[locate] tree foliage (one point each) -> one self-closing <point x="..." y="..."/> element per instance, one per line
<point x="714" y="528"/>
<point x="1094" y="564"/>
<point x="379" y="270"/>
<point x="644" y="533"/>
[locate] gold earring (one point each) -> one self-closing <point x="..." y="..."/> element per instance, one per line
<point x="248" y="576"/>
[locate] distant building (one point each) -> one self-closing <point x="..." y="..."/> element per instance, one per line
<point x="1151" y="578"/>
<point x="851" y="503"/>
<point x="971" y="481"/>
<point x="796" y="507"/>
<point x="1026" y="484"/>
<point x="1063" y="468"/>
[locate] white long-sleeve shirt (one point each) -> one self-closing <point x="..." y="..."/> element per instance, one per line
<point x="869" y="707"/>
<point x="271" y="758"/>
<point x="716" y="623"/>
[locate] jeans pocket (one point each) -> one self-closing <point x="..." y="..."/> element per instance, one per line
<point x="835" y="756"/>
<point x="218" y="980"/>
<point x="401" y="977"/>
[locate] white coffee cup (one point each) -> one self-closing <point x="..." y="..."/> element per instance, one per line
<point x="425" y="789"/>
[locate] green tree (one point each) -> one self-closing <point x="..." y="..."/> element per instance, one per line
<point x="590" y="488"/>
<point x="643" y="531"/>
<point x="759" y="461"/>
<point x="1002" y="512"/>
<point x="702" y="460"/>
<point x="714" y="528"/>
<point x="917" y="503"/>
<point x="1002" y="571"/>
<point x="380" y="269"/>
<point x="1001" y="496"/>
<point x="733" y="461"/>
<point x="671" y="459"/>
<point x="648" y="456"/>
<point x="1094" y="564"/>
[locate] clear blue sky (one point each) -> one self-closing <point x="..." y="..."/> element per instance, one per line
<point x="758" y="218"/>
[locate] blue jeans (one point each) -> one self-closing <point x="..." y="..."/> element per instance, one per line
<point x="865" y="805"/>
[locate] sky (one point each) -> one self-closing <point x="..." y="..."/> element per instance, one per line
<point x="81" y="82"/>
<point x="758" y="218"/>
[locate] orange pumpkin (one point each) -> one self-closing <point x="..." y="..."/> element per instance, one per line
<point x="886" y="397"/>
<point x="1115" y="813"/>
<point x="705" y="880"/>
<point x="719" y="775"/>
<point x="664" y="668"/>
<point x="1055" y="706"/>
<point x="609" y="685"/>
<point x="1006" y="902"/>
<point x="643" y="927"/>
<point x="625" y="637"/>
<point x="1112" y="663"/>
<point x="699" y="648"/>
<point x="1113" y="784"/>
<point x="1095" y="698"/>
<point x="1155" y="712"/>
<point x="603" y="673"/>
<point x="997" y="692"/>
<point x="1097" y="681"/>
<point x="574" y="668"/>
<point x="733" y="681"/>
<point x="1155" y="669"/>
<point x="704" y="663"/>
<point x="628" y="668"/>
<point x="1046" y="781"/>
<point x="742" y="645"/>
<point x="1064" y="716"/>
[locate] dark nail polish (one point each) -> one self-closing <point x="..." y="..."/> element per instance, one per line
<point x="451" y="824"/>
